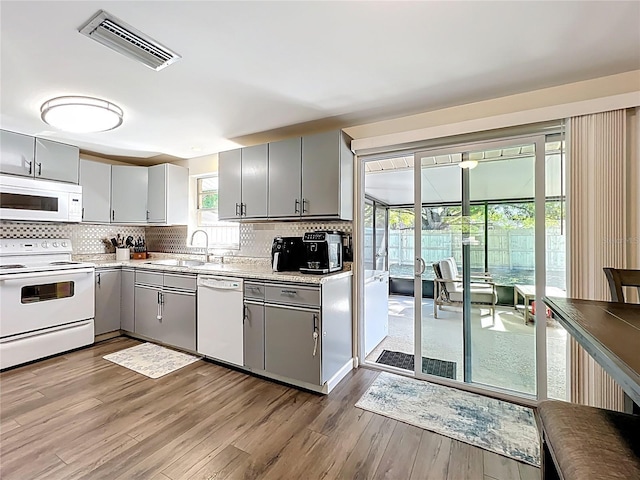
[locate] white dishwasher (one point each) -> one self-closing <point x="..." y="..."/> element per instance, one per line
<point x="220" y="318"/>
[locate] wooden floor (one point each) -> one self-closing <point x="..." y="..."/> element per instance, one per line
<point x="79" y="416"/>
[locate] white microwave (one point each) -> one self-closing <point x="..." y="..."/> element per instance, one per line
<point x="39" y="200"/>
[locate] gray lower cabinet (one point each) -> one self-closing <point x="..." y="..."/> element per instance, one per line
<point x="253" y="335"/>
<point x="165" y="308"/>
<point x="178" y="312"/>
<point x="290" y="347"/>
<point x="147" y="310"/>
<point x="127" y="302"/>
<point x="107" y="307"/>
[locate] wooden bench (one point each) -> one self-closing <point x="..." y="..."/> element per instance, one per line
<point x="587" y="443"/>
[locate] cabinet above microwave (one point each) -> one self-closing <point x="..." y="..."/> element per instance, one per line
<point x="39" y="158"/>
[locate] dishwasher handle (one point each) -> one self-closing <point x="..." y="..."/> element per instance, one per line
<point x="217" y="283"/>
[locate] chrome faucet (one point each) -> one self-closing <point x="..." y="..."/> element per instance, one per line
<point x="206" y="245"/>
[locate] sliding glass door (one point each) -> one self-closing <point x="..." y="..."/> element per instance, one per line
<point x="479" y="237"/>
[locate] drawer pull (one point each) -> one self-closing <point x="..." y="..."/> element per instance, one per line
<point x="289" y="292"/>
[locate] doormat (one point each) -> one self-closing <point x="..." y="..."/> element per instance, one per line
<point x="151" y="360"/>
<point x="431" y="366"/>
<point x="501" y="427"/>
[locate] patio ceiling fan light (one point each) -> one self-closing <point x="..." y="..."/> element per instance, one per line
<point x="470" y="164"/>
<point x="81" y="114"/>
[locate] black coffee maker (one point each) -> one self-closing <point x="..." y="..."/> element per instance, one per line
<point x="323" y="252"/>
<point x="287" y="254"/>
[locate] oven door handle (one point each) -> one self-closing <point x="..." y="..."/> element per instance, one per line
<point x="51" y="273"/>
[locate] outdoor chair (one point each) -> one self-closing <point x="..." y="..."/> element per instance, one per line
<point x="483" y="276"/>
<point x="618" y="278"/>
<point x="447" y="289"/>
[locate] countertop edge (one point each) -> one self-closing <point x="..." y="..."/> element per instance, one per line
<point x="244" y="274"/>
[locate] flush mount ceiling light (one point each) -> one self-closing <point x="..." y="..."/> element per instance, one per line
<point x="468" y="164"/>
<point x="81" y="114"/>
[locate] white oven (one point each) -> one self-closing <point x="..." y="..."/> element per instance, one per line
<point x="38" y="300"/>
<point x="46" y="300"/>
<point x="39" y="200"/>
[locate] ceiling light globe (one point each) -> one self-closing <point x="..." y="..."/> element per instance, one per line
<point x="81" y="114"/>
<point x="468" y="164"/>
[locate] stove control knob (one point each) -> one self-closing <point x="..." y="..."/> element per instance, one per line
<point x="55" y="244"/>
<point x="45" y="245"/>
<point x="64" y="244"/>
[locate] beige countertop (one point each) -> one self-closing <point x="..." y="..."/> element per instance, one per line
<point x="249" y="270"/>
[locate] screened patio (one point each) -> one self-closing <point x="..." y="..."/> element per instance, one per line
<point x="501" y="227"/>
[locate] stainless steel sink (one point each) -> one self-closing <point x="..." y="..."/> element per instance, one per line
<point x="178" y="263"/>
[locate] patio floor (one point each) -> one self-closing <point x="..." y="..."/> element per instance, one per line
<point x="503" y="347"/>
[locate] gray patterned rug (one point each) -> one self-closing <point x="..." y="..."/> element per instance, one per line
<point x="494" y="425"/>
<point x="151" y="360"/>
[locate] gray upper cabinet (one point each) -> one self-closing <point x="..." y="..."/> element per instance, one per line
<point x="56" y="161"/>
<point x="95" y="180"/>
<point x="128" y="194"/>
<point x="254" y="181"/>
<point x="17" y="153"/>
<point x="285" y="178"/>
<point x="39" y="158"/>
<point x="107" y="297"/>
<point x="229" y="184"/>
<point x="168" y="194"/>
<point x="327" y="176"/>
<point x="309" y="177"/>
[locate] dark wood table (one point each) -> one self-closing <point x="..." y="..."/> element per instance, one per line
<point x="609" y="332"/>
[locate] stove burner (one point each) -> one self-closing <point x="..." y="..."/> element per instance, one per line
<point x="64" y="263"/>
<point x="13" y="265"/>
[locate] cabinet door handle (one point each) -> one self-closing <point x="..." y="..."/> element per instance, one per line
<point x="237" y="205"/>
<point x="304" y="205"/>
<point x="297" y="206"/>
<point x="39" y="168"/>
<point x="98" y="278"/>
<point x="243" y="209"/>
<point x="30" y="164"/>
<point x="82" y="213"/>
<point x="316" y="334"/>
<point x="245" y="313"/>
<point x="147" y="215"/>
<point x="113" y="215"/>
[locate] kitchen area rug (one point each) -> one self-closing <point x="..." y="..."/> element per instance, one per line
<point x="151" y="360"/>
<point x="501" y="427"/>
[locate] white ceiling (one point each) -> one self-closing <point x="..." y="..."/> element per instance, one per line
<point x="251" y="67"/>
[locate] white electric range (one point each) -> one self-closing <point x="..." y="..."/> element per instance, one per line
<point x="46" y="300"/>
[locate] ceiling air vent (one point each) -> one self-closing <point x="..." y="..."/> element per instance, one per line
<point x="106" y="29"/>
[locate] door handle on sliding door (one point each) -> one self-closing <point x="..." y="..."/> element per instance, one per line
<point x="423" y="266"/>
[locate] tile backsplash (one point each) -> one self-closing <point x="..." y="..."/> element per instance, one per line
<point x="85" y="238"/>
<point x="255" y="238"/>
